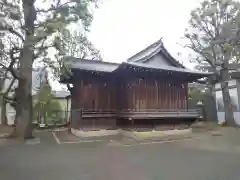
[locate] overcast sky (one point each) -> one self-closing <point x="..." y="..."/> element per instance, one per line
<point x="122" y="28"/>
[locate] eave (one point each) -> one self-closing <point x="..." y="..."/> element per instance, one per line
<point x="113" y="68"/>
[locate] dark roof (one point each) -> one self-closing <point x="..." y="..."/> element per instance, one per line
<point x="164" y="68"/>
<point x="90" y="65"/>
<point x="100" y="66"/>
<point x="153" y="49"/>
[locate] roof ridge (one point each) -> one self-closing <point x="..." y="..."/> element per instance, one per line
<point x="175" y="61"/>
<point x="156" y="43"/>
<point x="152" y="50"/>
<point x="150" y="55"/>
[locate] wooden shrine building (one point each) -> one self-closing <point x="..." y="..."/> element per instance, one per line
<point x="151" y="85"/>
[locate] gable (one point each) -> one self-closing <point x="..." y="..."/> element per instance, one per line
<point x="158" y="60"/>
<point x="144" y="53"/>
<point x="155" y="54"/>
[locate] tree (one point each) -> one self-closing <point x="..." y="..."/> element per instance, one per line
<point x="194" y="95"/>
<point x="43" y="98"/>
<point x="77" y="45"/>
<point x="7" y="52"/>
<point x="213" y="35"/>
<point x="55" y="113"/>
<point x="5" y="97"/>
<point x="45" y="106"/>
<point x="38" y="28"/>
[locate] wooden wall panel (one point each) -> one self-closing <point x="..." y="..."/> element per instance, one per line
<point x="97" y="95"/>
<point x="96" y="124"/>
<point x="134" y="94"/>
<point x="142" y="94"/>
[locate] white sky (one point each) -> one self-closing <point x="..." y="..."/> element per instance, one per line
<point x="122" y="28"/>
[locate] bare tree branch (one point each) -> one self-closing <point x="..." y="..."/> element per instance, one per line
<point x="56" y="8"/>
<point x="11" y="30"/>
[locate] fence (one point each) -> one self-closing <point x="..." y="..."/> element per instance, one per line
<point x="56" y="118"/>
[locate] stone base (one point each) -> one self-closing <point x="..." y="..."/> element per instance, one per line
<point x="151" y="134"/>
<point x="131" y="134"/>
<point x="99" y="133"/>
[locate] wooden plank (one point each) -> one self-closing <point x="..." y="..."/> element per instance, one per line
<point x="156" y="94"/>
<point x="159" y="95"/>
<point x="170" y="96"/>
<point x="169" y="114"/>
<point x="147" y="114"/>
<point x="176" y="90"/>
<point x="142" y="94"/>
<point x="174" y="96"/>
<point x="182" y="96"/>
<point x="186" y="96"/>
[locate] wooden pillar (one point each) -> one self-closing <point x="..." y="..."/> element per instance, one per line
<point x="186" y="96"/>
<point x="74" y="108"/>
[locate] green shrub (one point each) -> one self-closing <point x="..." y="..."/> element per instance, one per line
<point x="47" y="107"/>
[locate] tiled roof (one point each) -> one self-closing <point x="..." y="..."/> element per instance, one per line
<point x="100" y="66"/>
<point x="165" y="68"/>
<point x="151" y="50"/>
<point x="90" y="65"/>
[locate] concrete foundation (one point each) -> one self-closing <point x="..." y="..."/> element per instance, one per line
<point x="131" y="134"/>
<point x="99" y="133"/>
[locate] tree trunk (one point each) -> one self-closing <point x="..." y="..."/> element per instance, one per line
<point x="229" y="118"/>
<point x="224" y="76"/>
<point x="24" y="92"/>
<point x="24" y="107"/>
<point x="4" y="101"/>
